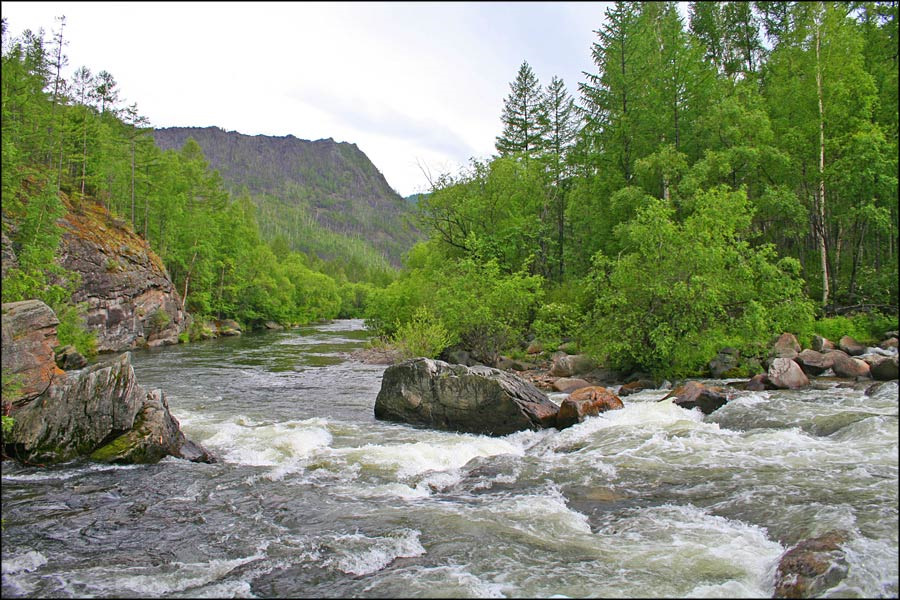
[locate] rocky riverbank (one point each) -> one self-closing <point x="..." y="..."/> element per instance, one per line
<point x="100" y="412"/>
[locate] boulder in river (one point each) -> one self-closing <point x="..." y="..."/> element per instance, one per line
<point x="884" y="369"/>
<point x="814" y="363"/>
<point x="102" y="413"/>
<point x="568" y="365"/>
<point x="569" y="384"/>
<point x="851" y="346"/>
<point x="786" y="346"/>
<point x="483" y="400"/>
<point x="694" y="394"/>
<point x="99" y="412"/>
<point x="811" y="567"/>
<point x="586" y="402"/>
<point x="822" y="344"/>
<point x="844" y="365"/>
<point x="785" y="373"/>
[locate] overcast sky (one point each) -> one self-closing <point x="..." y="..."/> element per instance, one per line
<point x="412" y="84"/>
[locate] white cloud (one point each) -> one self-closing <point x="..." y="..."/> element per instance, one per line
<point x="409" y="83"/>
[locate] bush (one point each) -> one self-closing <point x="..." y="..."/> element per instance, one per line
<point x="422" y="336"/>
<point x="72" y="330"/>
<point x="555" y="322"/>
<point x="866" y="328"/>
<point x="159" y="320"/>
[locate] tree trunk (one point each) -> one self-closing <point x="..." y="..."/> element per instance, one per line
<point x="821" y="195"/>
<point x="187" y="280"/>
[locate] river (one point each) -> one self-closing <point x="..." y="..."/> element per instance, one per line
<point x="315" y="498"/>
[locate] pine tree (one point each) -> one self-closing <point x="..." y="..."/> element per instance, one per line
<point x="522" y="114"/>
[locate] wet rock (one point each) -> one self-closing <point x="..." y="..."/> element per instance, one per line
<point x="633" y="387"/>
<point x="822" y="344"/>
<point x="811" y="567"/>
<point x="68" y="358"/>
<point x="884" y="368"/>
<point x="786" y="346"/>
<point x="813" y="362"/>
<point x="483" y="400"/>
<point x="273" y="325"/>
<point x="694" y="394"/>
<point x="847" y="366"/>
<point x="585" y="402"/>
<point x="758" y="383"/>
<point x="569" y="365"/>
<point x="569" y="384"/>
<point x="888" y="343"/>
<point x="784" y="373"/>
<point x="851" y="346"/>
<point x="29" y="336"/>
<point x="227" y="327"/>
<point x="102" y="413"/>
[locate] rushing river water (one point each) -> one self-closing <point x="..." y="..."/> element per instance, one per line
<point x="315" y="498"/>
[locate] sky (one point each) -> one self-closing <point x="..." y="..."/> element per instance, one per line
<point x="419" y="87"/>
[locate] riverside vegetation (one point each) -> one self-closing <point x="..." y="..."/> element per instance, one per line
<point x="718" y="181"/>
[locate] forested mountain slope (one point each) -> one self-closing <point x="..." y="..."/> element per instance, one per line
<point x="298" y="184"/>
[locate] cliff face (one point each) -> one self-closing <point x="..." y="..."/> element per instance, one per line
<point x="131" y="300"/>
<point x="334" y="183"/>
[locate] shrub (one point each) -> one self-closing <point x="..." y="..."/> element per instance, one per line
<point x="423" y="335"/>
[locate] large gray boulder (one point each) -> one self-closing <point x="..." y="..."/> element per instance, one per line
<point x="102" y="413"/>
<point x="694" y="394"/>
<point x="483" y="400"/>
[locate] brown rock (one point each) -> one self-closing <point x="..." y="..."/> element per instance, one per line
<point x="695" y="394"/>
<point x="636" y="386"/>
<point x="534" y="347"/>
<point x="569" y="384"/>
<point x="847" y="366"/>
<point x="567" y="365"/>
<point x="786" y="346"/>
<point x="29" y="336"/>
<point x="821" y="344"/>
<point x="851" y="346"/>
<point x="811" y="567"/>
<point x="585" y="402"/>
<point x="888" y="343"/>
<point x="784" y="373"/>
<point x="758" y="383"/>
<point x="814" y="363"/>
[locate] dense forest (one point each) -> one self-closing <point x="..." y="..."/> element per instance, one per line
<point x="714" y="181"/>
<point x="71" y="142"/>
<point x="717" y="180"/>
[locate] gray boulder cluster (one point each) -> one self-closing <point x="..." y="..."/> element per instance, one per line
<point x="485" y="400"/>
<point x="99" y="412"/>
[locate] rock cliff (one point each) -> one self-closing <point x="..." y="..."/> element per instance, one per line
<point x="130" y="299"/>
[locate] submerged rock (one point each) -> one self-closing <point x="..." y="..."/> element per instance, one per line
<point x="695" y="394"/>
<point x="586" y="402"/>
<point x="433" y="393"/>
<point x="811" y="567"/>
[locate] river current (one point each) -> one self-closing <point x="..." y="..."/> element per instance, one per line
<point x="313" y="497"/>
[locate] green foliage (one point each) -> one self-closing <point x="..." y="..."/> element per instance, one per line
<point x="72" y="330"/>
<point x="159" y="320"/>
<point x="423" y="335"/>
<point x="866" y="328"/>
<point x="8" y="424"/>
<point x="680" y="291"/>
<point x="556" y="321"/>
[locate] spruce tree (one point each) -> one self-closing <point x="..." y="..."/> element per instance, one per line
<point x="522" y="114"/>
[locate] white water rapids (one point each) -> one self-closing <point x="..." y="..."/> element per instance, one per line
<point x="315" y="498"/>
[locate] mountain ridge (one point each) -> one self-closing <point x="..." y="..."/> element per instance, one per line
<point x="292" y="180"/>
